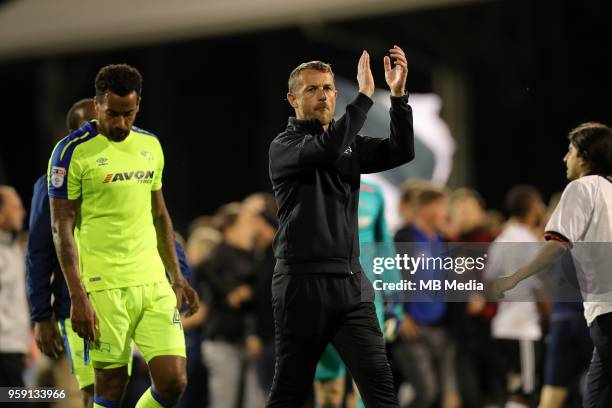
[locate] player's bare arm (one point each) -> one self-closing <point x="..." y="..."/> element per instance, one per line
<point x="550" y="252"/>
<point x="82" y="315"/>
<point x="165" y="245"/>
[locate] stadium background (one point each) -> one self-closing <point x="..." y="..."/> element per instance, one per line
<point x="513" y="76"/>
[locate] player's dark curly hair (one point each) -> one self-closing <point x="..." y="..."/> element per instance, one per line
<point x="120" y="79"/>
<point x="594" y="144"/>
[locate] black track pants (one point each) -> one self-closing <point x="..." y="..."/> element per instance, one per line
<point x="309" y="312"/>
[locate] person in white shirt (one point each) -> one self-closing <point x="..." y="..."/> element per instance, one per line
<point x="516" y="325"/>
<point x="582" y="223"/>
<point x="14" y="312"/>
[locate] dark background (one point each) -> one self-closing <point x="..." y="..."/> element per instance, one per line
<point x="533" y="71"/>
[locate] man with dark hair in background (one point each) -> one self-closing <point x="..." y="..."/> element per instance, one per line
<point x="319" y="294"/>
<point x="14" y="325"/>
<point x="116" y="253"/>
<point x="42" y="264"/>
<point x="582" y="223"/>
<point x="516" y="327"/>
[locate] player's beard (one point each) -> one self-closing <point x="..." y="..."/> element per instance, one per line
<point x="323" y="115"/>
<point x="118" y="134"/>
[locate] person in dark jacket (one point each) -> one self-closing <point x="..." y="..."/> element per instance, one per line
<point x="318" y="292"/>
<point x="227" y="280"/>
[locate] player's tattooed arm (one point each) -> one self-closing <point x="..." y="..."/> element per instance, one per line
<point x="185" y="294"/>
<point x="63" y="218"/>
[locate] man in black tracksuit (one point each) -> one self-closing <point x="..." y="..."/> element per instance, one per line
<point x="319" y="294"/>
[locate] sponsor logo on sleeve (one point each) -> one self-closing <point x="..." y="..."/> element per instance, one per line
<point x="58" y="174"/>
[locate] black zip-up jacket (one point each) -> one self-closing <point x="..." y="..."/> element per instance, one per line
<point x="315" y="174"/>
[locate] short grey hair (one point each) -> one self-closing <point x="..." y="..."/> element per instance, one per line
<point x="315" y="65"/>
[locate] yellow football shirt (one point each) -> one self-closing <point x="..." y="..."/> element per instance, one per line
<point x="115" y="235"/>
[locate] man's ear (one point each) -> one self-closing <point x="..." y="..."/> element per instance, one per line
<point x="292" y="100"/>
<point x="97" y="103"/>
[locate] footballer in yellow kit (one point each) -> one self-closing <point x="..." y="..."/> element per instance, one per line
<point x="115" y="244"/>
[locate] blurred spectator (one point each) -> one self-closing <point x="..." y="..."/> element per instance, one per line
<point x="468" y="217"/>
<point x="425" y="354"/>
<point x="202" y="238"/>
<point x="200" y="221"/>
<point x="408" y="192"/>
<point x="516" y="326"/>
<point x="260" y="344"/>
<point x="477" y="359"/>
<point x="199" y="244"/>
<point x="494" y="222"/>
<point x="227" y="277"/>
<point x="14" y="313"/>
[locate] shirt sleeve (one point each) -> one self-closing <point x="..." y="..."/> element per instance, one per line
<point x="305" y="151"/>
<point x="157" y="178"/>
<point x="571" y="218"/>
<point x="180" y="253"/>
<point x="378" y="154"/>
<point x="40" y="255"/>
<point x="65" y="173"/>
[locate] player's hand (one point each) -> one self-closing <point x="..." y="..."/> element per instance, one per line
<point x="48" y="338"/>
<point x="365" y="80"/>
<point x="409" y="329"/>
<point x="396" y="76"/>
<point x="501" y="285"/>
<point x="83" y="318"/>
<point x="186" y="295"/>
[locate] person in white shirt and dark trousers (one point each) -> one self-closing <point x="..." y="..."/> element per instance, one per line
<point x="582" y="223"/>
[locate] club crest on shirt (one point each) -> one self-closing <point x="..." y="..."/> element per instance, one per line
<point x="147" y="155"/>
<point x="58" y="174"/>
<point x="348" y="151"/>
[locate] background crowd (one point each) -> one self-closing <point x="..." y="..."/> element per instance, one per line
<point x="446" y="354"/>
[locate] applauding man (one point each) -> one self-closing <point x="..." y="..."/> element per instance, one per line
<point x="319" y="293"/>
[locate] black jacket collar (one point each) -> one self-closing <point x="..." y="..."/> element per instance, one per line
<point x="312" y="126"/>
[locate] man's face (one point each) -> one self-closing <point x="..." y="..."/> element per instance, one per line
<point x="116" y="114"/>
<point x="468" y="213"/>
<point x="439" y="210"/>
<point x="314" y="96"/>
<point x="12" y="213"/>
<point x="576" y="166"/>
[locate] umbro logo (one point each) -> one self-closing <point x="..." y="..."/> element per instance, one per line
<point x="102" y="161"/>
